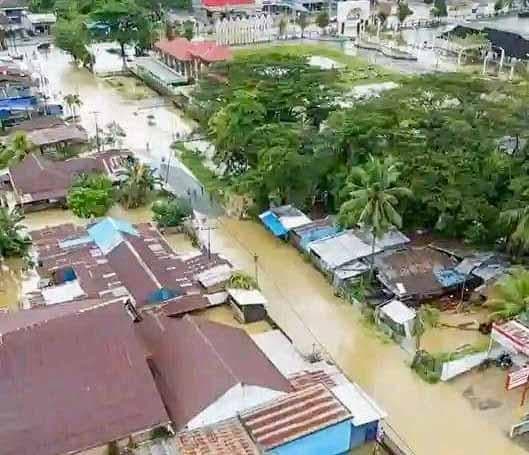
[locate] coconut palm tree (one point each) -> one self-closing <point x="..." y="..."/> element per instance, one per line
<point x="518" y="221"/>
<point x="13" y="241"/>
<point x="373" y="199"/>
<point x="20" y="147"/>
<point x="139" y="181"/>
<point x="510" y="296"/>
<point x="73" y="101"/>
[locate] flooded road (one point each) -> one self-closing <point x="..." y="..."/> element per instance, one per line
<point x="433" y="419"/>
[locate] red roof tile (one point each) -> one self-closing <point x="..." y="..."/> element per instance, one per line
<point x="224" y="438"/>
<point x="305" y="379"/>
<point x="75" y="382"/>
<point x="294" y="416"/>
<point x="185" y="50"/>
<point x="226" y="3"/>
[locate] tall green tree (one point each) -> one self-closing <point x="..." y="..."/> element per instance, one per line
<point x="20" y="147"/>
<point x="233" y="127"/>
<point x="138" y="184"/>
<point x="373" y="199"/>
<point x="303" y="21"/>
<point x="439" y="8"/>
<point x="14" y="242"/>
<point x="322" y="19"/>
<point x="510" y="296"/>
<point x="125" y="20"/>
<point x="71" y="36"/>
<point x="403" y="12"/>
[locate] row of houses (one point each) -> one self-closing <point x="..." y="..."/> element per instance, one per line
<point x="116" y="346"/>
<point x="408" y="272"/>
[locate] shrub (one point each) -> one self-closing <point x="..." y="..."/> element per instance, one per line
<point x="241" y="280"/>
<point x="171" y="212"/>
<point x="160" y="433"/>
<point x="91" y="196"/>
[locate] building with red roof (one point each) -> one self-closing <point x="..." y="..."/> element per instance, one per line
<point x="191" y="58"/>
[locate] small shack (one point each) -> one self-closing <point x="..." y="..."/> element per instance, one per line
<point x="417" y="274"/>
<point x="249" y="305"/>
<point x="281" y="220"/>
<point x="398" y="317"/>
<point x="214" y="280"/>
<point x="301" y="236"/>
<point x="333" y="252"/>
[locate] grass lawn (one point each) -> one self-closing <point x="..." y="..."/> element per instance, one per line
<point x="357" y="70"/>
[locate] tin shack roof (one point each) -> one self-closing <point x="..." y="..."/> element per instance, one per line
<point x="341" y="249"/>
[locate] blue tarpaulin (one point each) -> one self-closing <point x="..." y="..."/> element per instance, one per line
<point x="161" y="295"/>
<point x="18" y="104"/>
<point x="449" y="277"/>
<point x="273" y="224"/>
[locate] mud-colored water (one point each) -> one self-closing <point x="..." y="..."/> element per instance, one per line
<point x="444" y="419"/>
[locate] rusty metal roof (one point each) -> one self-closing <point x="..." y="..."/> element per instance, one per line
<point x="198" y="361"/>
<point x="294" y="416"/>
<point x="224" y="438"/>
<point x="305" y="379"/>
<point x="75" y="382"/>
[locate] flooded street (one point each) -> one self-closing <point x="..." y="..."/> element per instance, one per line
<point x="440" y="419"/>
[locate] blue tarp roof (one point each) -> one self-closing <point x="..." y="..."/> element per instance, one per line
<point x="108" y="233"/>
<point x="273" y="224"/>
<point x="20" y="104"/>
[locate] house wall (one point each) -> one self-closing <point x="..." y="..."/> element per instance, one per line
<point x="237" y="399"/>
<point x="334" y="440"/>
<point x="363" y="434"/>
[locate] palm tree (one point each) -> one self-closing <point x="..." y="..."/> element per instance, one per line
<point x="303" y="21"/>
<point x="283" y="23"/>
<point x="73" y="101"/>
<point x="510" y="296"/>
<point x="518" y="221"/>
<point x="139" y="181"/>
<point x="425" y="318"/>
<point x="13" y="242"/>
<point x="20" y="147"/>
<point x="373" y="199"/>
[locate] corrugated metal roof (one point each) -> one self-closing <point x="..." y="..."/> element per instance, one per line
<point x="398" y="312"/>
<point x="341" y="249"/>
<point x="225" y="438"/>
<point x="108" y="233"/>
<point x="296" y="415"/>
<point x="247" y="296"/>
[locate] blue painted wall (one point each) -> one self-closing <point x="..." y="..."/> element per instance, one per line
<point x="363" y="433"/>
<point x="333" y="440"/>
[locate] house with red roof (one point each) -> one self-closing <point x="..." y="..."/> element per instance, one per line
<point x="191" y="58"/>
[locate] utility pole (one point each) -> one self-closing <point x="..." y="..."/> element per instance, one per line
<point x="209" y="229"/>
<point x="98" y="144"/>
<point x="256" y="268"/>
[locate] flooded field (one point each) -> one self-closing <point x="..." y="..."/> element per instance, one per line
<point x="443" y="419"/>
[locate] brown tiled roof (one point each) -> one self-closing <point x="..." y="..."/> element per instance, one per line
<point x="184" y="50"/>
<point x="197" y="361"/>
<point x="294" y="416"/>
<point x="224" y="438"/>
<point x="75" y="382"/>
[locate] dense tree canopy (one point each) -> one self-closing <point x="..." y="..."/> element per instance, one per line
<point x="281" y="136"/>
<point x="91" y="195"/>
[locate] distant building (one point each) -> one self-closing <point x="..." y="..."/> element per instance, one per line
<point x="191" y="58"/>
<point x="38" y="24"/>
<point x="14" y="10"/>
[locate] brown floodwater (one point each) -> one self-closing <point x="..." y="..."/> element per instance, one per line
<point x="434" y="419"/>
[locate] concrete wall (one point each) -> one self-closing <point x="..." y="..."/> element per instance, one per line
<point x="333" y="440"/>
